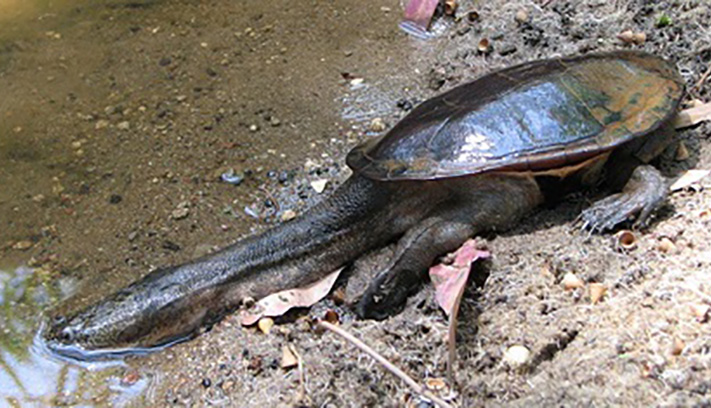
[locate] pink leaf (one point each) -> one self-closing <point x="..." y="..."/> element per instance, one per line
<point x="279" y="303"/>
<point x="418" y="15"/>
<point x="449" y="280"/>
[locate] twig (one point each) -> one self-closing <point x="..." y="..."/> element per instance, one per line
<point x="703" y="78"/>
<point x="452" y="335"/>
<point x="302" y="382"/>
<point x="417" y="388"/>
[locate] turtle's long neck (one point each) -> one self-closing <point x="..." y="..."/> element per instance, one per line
<point x="174" y="302"/>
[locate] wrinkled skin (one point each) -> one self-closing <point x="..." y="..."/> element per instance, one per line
<point x="427" y="218"/>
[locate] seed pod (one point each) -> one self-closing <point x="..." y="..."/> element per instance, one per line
<point x="597" y="291"/>
<point x="484" y="46"/>
<point x="625" y="240"/>
<point x="450" y="6"/>
<point x="571" y="281"/>
<point x="666" y="245"/>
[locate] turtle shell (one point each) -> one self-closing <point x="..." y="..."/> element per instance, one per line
<point x="537" y="116"/>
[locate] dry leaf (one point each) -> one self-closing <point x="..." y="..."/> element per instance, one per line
<point x="689" y="178"/>
<point x="279" y="303"/>
<point x="597" y="291"/>
<point x="692" y="116"/>
<point x="418" y="15"/>
<point x="449" y="280"/>
<point x="288" y="359"/>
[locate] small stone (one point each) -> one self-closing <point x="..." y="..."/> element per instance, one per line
<point x="101" y="123"/>
<point x="123" y="125"/>
<point x="115" y="199"/>
<point x="132" y="236"/>
<point x="22" y="245"/>
<point x="253" y="128"/>
<point x="206" y="382"/>
<point x="521" y="16"/>
<point x="507" y="49"/>
<point x="377" y="125"/>
<point x="571" y="281"/>
<point x="274" y="121"/>
<point x="319" y="185"/>
<point x="288" y="215"/>
<point x="517" y="356"/>
<point x="265" y="324"/>
<point x="180" y="213"/>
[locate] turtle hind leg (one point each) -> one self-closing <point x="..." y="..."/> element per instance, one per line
<point x="645" y="190"/>
<point x="415" y="252"/>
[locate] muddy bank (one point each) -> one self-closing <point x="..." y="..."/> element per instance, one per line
<point x="119" y="117"/>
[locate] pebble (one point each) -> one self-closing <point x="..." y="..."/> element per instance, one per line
<point x="22" y="245"/>
<point x="517" y="356"/>
<point x="181" y="212"/>
<point x="125" y="125"/>
<point x="377" y="125"/>
<point x="115" y="199"/>
<point x="231" y="177"/>
<point x="507" y="49"/>
<point x="319" y="185"/>
<point x="253" y="128"/>
<point x="274" y="122"/>
<point x="288" y="215"/>
<point x="101" y="123"/>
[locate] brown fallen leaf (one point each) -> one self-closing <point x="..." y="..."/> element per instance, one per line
<point x="279" y="303"/>
<point x="288" y="359"/>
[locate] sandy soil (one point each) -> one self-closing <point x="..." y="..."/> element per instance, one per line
<point x="115" y="115"/>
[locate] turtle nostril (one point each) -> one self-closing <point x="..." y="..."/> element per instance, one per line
<point x="67" y="335"/>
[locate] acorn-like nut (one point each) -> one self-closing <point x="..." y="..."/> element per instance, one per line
<point x="677" y="347"/>
<point x="450" y="6"/>
<point x="597" y="291"/>
<point x="700" y="311"/>
<point x="265" y="324"/>
<point x="666" y="245"/>
<point x="521" y="16"/>
<point x="639" y="38"/>
<point x="571" y="281"/>
<point x="484" y="46"/>
<point x="625" y="240"/>
<point x="626" y="36"/>
<point x="682" y="153"/>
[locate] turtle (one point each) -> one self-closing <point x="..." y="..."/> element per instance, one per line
<point x="476" y="158"/>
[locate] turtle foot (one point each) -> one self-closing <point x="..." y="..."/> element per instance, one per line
<point x="642" y="194"/>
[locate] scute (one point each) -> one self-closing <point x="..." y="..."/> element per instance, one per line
<point x="536" y="116"/>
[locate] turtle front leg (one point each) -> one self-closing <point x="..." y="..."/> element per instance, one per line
<point x="645" y="190"/>
<point x="415" y="252"/>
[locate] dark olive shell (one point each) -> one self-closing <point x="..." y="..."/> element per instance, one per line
<point x="538" y="116"/>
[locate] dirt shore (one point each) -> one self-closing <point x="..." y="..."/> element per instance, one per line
<point x="118" y="117"/>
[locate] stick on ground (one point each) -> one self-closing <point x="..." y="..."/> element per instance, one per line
<point x="417" y="388"/>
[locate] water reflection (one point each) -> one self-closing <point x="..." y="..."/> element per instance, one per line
<point x="29" y="376"/>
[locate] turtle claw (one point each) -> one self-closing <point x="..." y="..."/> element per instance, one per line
<point x="643" y="194"/>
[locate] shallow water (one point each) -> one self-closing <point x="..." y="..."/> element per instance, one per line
<point x="29" y="375"/>
<point x="114" y="112"/>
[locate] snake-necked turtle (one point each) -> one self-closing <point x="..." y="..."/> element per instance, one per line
<point x="478" y="157"/>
